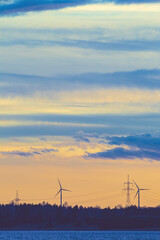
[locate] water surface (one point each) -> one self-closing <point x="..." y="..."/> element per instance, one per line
<point x="78" y="235"/>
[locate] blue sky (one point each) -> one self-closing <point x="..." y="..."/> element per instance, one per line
<point x="54" y="62"/>
<point x="66" y="66"/>
<point x="80" y="84"/>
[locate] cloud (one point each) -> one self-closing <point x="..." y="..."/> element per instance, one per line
<point x="79" y="138"/>
<point x="82" y="136"/>
<point x="120" y="45"/>
<point x="23" y="85"/>
<point x="43" y="139"/>
<point x="113" y="124"/>
<point x="143" y="141"/>
<point x="16" y="7"/>
<point x="48" y="150"/>
<point x="108" y="100"/>
<point x="142" y="146"/>
<point x="30" y="152"/>
<point x="122" y="153"/>
<point x="20" y="153"/>
<point x="23" y="6"/>
<point x="44" y="130"/>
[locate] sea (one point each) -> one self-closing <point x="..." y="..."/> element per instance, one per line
<point x="79" y="235"/>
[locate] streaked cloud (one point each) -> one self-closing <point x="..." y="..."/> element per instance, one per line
<point x="23" y="85"/>
<point x="74" y="125"/>
<point x="111" y="101"/>
<point x="125" y="45"/>
<point x="10" y="123"/>
<point x="30" y="152"/>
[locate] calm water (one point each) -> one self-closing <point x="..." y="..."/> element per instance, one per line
<point x="72" y="235"/>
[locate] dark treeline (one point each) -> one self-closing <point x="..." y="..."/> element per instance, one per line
<point x="29" y="216"/>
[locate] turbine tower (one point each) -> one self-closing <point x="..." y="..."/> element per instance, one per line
<point x="17" y="199"/>
<point x="128" y="189"/>
<point x="60" y="191"/>
<point x="138" y="193"/>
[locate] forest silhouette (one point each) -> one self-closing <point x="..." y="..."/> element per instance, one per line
<point x="53" y="217"/>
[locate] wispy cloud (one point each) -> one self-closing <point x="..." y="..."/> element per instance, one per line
<point x="30" y="152"/>
<point x="121" y="45"/>
<point x="80" y="138"/>
<point x="107" y="101"/>
<point x="20" y="153"/>
<point x="73" y="125"/>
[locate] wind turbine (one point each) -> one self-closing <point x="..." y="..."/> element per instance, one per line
<point x="60" y="191"/>
<point x="17" y="199"/>
<point x="138" y="193"/>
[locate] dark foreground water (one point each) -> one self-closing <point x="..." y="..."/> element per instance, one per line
<point x="78" y="235"/>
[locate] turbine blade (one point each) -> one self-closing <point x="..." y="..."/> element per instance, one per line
<point x="58" y="192"/>
<point x="59" y="183"/>
<point x="67" y="190"/>
<point x="136" y="184"/>
<point x="136" y="194"/>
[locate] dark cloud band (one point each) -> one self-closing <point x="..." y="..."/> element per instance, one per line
<point x="12" y="85"/>
<point x="142" y="146"/>
<point x="23" y="6"/>
<point x="121" y="153"/>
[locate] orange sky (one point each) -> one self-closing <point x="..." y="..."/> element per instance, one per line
<point x="91" y="184"/>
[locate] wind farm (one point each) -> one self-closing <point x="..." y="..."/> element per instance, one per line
<point x="129" y="188"/>
<point x="64" y="216"/>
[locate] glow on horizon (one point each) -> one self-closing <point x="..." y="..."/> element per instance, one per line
<point x="90" y="186"/>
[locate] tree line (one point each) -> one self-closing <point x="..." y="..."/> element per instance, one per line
<point x="46" y="216"/>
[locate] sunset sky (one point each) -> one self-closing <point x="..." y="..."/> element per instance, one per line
<point x="79" y="100"/>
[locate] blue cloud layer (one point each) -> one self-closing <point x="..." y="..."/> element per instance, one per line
<point x="143" y="146"/>
<point x="121" y="45"/>
<point x="113" y="124"/>
<point x="23" y="85"/>
<point x="22" y="6"/>
<point x="121" y="153"/>
<point x="144" y="141"/>
<point x="29" y="153"/>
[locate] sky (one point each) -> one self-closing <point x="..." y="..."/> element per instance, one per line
<point x="79" y="100"/>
